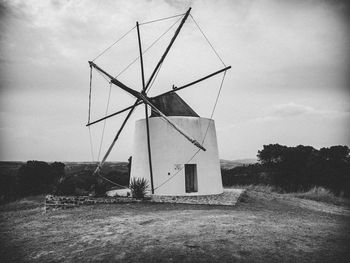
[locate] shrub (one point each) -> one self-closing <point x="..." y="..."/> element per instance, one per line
<point x="81" y="183"/>
<point x="138" y="187"/>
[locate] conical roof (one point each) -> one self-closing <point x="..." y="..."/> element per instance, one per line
<point x="172" y="104"/>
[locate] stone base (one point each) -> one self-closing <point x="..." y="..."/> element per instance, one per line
<point x="228" y="197"/>
<point x="63" y="202"/>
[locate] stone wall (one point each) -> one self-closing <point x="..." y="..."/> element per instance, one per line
<point x="54" y="202"/>
<point x="228" y="197"/>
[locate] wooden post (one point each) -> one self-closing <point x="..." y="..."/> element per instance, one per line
<point x="146" y="110"/>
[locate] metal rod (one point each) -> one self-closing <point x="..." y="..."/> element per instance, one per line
<point x="168" y="48"/>
<point x="149" y="149"/>
<point x="141" y="57"/>
<point x="146" y="110"/>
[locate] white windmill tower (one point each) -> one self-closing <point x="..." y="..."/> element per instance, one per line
<point x="178" y="168"/>
<point x="162" y="153"/>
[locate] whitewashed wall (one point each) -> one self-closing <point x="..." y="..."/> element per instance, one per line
<point x="170" y="151"/>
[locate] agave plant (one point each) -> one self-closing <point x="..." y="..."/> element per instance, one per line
<point x="138" y="187"/>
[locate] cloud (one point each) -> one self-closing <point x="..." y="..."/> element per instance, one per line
<point x="290" y="52"/>
<point x="294" y="110"/>
<point x="291" y="109"/>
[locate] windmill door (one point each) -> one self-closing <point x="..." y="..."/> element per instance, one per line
<point x="191" y="178"/>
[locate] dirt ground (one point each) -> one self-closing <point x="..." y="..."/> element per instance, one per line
<point x="261" y="228"/>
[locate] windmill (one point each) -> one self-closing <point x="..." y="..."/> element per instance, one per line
<point x="172" y="122"/>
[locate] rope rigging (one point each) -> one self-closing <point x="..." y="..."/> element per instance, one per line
<point x="104" y="122"/>
<point x="104" y="178"/>
<point x="89" y="112"/>
<point x="160" y="19"/>
<point x="109" y="95"/>
<point x="121" y="72"/>
<point x="91" y="146"/>
<point x="206" y="38"/>
<point x="148" y="48"/>
<point x="152" y="81"/>
<point x="216" y="102"/>
<point x="115" y="42"/>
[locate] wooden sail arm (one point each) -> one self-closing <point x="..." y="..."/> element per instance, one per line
<point x="144" y="91"/>
<point x="189" y="138"/>
<point x="199" y="80"/>
<point x="144" y="98"/>
<point x="115" y="81"/>
<point x="167" y="49"/>
<point x="115" y="113"/>
<point x="146" y="109"/>
<point x="138" y="102"/>
<point x="174" y="89"/>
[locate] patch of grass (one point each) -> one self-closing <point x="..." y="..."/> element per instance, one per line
<point x="259" y="188"/>
<point x="321" y="194"/>
<point x="316" y="193"/>
<point x="25" y="203"/>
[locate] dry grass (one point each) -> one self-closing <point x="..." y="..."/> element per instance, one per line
<point x="264" y="227"/>
<point x="259" y="188"/>
<point x="321" y="194"/>
<point x="317" y="193"/>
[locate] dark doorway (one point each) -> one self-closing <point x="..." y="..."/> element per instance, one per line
<point x="191" y="178"/>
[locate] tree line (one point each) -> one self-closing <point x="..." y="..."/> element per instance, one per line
<point x="37" y="177"/>
<point x="289" y="168"/>
<point x="296" y="169"/>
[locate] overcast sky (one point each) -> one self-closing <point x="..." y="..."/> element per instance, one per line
<point x="289" y="81"/>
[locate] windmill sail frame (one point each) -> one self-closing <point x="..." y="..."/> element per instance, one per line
<point x="142" y="98"/>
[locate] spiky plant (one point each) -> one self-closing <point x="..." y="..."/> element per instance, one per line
<point x="138" y="187"/>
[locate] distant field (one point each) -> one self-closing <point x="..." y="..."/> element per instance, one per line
<point x="70" y="167"/>
<point x="73" y="167"/>
<point x="228" y="164"/>
<point x="264" y="227"/>
<point x="6" y="167"/>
